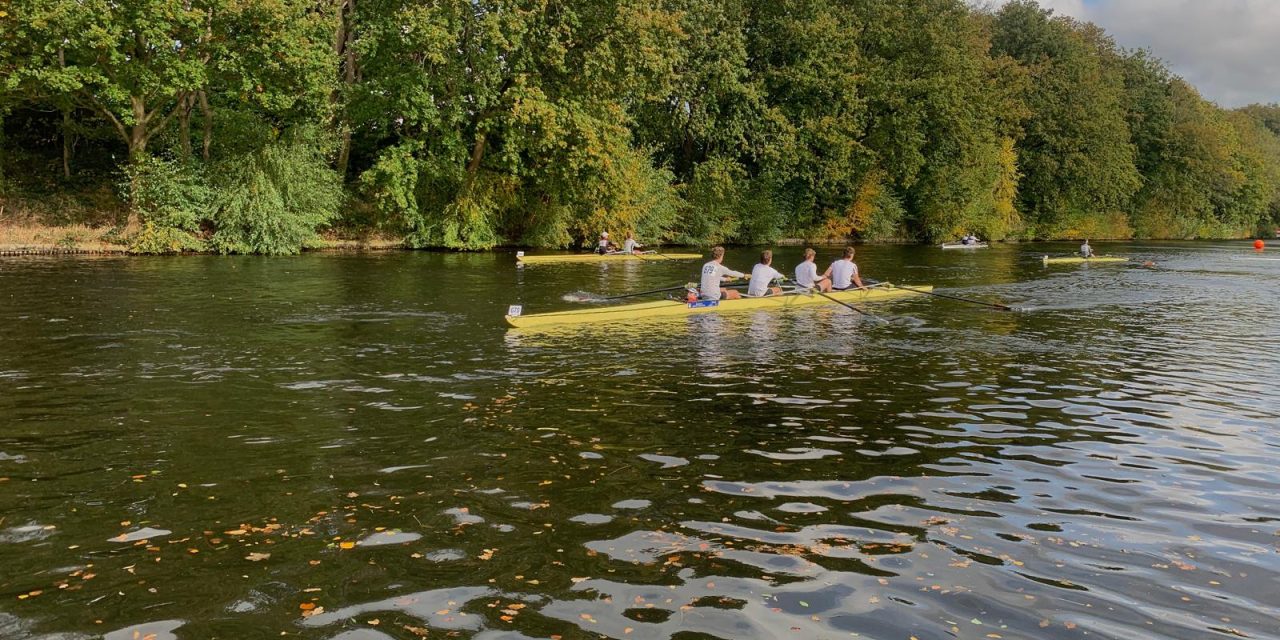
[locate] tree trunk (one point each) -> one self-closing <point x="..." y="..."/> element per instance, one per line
<point x="138" y="135"/>
<point x="344" y="47"/>
<point x="66" y="143"/>
<point x="184" y="125"/>
<point x="208" y="123"/>
<point x="66" y="125"/>
<point x="473" y="165"/>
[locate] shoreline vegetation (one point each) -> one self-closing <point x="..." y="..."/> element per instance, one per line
<point x="276" y="127"/>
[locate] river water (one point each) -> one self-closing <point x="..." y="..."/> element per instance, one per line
<point x="356" y="447"/>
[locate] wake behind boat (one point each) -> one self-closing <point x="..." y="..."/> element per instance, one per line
<point x="650" y="256"/>
<point x="669" y="308"/>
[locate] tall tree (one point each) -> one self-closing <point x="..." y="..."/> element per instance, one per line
<point x="1075" y="151"/>
<point x="497" y="109"/>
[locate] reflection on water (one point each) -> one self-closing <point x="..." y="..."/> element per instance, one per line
<point x="355" y="447"/>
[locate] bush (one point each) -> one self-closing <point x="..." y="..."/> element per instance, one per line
<point x="167" y="193"/>
<point x="154" y="239"/>
<point x="275" y="200"/>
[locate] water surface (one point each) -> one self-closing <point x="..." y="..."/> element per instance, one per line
<point x="355" y="447"/>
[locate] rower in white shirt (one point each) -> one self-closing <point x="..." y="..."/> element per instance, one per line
<point x="807" y="273"/>
<point x="630" y="245"/>
<point x="603" y="245"/>
<point x="712" y="273"/>
<point x="844" y="273"/>
<point x="1086" y="250"/>
<point x="763" y="274"/>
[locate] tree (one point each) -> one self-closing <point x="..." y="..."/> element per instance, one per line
<point x="498" y="109"/>
<point x="1074" y="152"/>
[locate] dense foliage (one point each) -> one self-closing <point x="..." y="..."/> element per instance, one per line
<point x="250" y="125"/>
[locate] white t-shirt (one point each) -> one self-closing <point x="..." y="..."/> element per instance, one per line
<point x="762" y="275"/>
<point x="807" y="273"/>
<point x="1086" y="250"/>
<point x="842" y="273"/>
<point x="711" y="274"/>
<point x="629" y="246"/>
<point x="602" y="245"/>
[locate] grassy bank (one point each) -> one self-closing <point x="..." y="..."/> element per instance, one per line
<point x="31" y="237"/>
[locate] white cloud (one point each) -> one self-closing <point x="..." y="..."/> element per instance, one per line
<point x="1227" y="48"/>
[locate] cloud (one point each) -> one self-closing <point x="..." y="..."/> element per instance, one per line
<point x="1226" y="48"/>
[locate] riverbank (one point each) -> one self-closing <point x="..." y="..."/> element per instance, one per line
<point x="30" y="238"/>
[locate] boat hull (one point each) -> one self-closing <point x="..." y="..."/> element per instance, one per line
<point x="676" y="308"/>
<point x="1079" y="260"/>
<point x="608" y="257"/>
<point x="957" y="245"/>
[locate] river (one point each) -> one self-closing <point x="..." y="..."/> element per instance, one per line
<point x="356" y="447"/>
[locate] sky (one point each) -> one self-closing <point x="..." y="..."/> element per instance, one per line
<point x="1228" y="49"/>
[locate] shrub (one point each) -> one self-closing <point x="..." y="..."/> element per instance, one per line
<point x="275" y="200"/>
<point x="167" y="193"/>
<point x="153" y="239"/>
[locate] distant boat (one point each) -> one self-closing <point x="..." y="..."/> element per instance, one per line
<point x="647" y="256"/>
<point x="961" y="245"/>
<point x="1082" y="259"/>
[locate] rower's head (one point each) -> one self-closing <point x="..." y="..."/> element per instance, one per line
<point x="604" y="235"/>
<point x="848" y="253"/>
<point x="810" y="254"/>
<point x="631" y="236"/>
<point x="717" y="253"/>
<point x="766" y="257"/>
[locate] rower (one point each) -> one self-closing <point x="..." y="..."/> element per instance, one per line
<point x="844" y="273"/>
<point x="712" y="273"/>
<point x="602" y="245"/>
<point x="630" y="245"/>
<point x="763" y="274"/>
<point x="1086" y="251"/>
<point x="807" y="273"/>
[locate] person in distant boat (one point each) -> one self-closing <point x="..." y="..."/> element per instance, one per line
<point x="712" y="273"/>
<point x="844" y="273"/>
<point x="630" y="245"/>
<point x="762" y="275"/>
<point x="602" y="245"/>
<point x="807" y="273"/>
<point x="1086" y="251"/>
<point x="969" y="239"/>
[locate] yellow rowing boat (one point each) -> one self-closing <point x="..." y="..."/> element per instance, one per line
<point x="607" y="257"/>
<point x="666" y="308"/>
<point x="1080" y="260"/>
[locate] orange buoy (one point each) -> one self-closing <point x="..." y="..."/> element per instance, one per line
<point x="1258" y="244"/>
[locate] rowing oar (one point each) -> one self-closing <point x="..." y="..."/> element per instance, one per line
<point x="591" y="297"/>
<point x="645" y="293"/>
<point x="837" y="301"/>
<point x="993" y="305"/>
